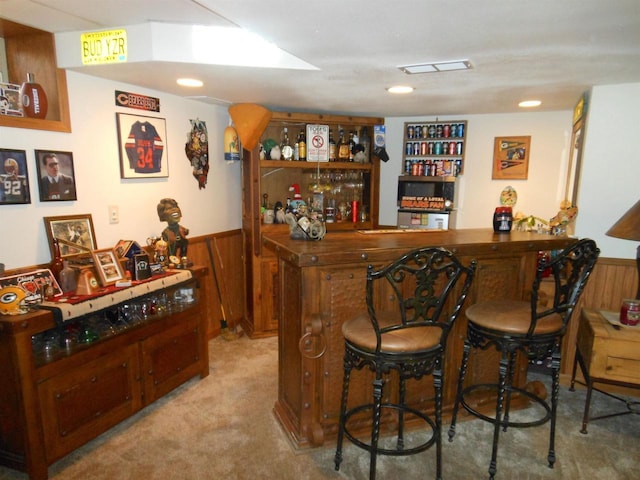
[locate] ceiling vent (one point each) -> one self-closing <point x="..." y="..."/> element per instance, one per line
<point x="436" y="67"/>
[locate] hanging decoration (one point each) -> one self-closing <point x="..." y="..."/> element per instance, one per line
<point x="231" y="144"/>
<point x="197" y="151"/>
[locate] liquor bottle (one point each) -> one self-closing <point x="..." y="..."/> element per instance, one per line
<point x="332" y="148"/>
<point x="33" y="98"/>
<point x="343" y="148"/>
<point x="352" y="147"/>
<point x="285" y="146"/>
<point x="365" y="141"/>
<point x="302" y="145"/>
<point x="56" y="265"/>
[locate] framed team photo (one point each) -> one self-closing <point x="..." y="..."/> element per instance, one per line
<point x="14" y="188"/>
<point x="107" y="265"/>
<point x="74" y="233"/>
<point x="56" y="177"/>
<point x="142" y="143"/>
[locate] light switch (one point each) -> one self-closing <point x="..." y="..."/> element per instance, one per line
<point x="114" y="215"/>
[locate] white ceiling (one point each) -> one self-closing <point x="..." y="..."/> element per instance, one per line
<point x="552" y="50"/>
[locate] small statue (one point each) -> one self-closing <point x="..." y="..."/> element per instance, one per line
<point x="175" y="234"/>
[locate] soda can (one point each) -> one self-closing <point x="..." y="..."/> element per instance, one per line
<point x="409" y="148"/>
<point x="446" y="130"/>
<point x="461" y="130"/>
<point x="416" y="148"/>
<point x="423" y="148"/>
<point x="410" y="131"/>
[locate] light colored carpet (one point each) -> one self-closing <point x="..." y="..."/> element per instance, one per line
<point x="223" y="427"/>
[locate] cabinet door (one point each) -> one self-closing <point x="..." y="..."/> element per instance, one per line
<point x="171" y="358"/>
<point x="80" y="404"/>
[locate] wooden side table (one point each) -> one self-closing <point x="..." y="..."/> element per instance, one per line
<point x="608" y="354"/>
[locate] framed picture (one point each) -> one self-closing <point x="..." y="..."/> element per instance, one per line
<point x="142" y="146"/>
<point x="575" y="156"/>
<point x="511" y="158"/>
<point x="74" y="233"/>
<point x="56" y="178"/>
<point x="15" y="178"/>
<point x="107" y="265"/>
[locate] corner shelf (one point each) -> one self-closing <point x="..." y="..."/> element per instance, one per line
<point x="33" y="51"/>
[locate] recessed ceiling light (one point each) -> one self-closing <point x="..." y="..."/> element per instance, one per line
<point x="436" y="67"/>
<point x="400" y="89"/>
<point x="189" y="82"/>
<point x="530" y="103"/>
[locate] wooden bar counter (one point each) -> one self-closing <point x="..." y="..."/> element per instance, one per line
<point x="322" y="283"/>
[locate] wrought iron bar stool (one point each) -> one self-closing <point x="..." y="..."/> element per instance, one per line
<point x="421" y="293"/>
<point x="530" y="327"/>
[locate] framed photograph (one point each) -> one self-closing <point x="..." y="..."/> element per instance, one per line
<point x="56" y="178"/>
<point x="107" y="265"/>
<point x="74" y="233"/>
<point x="142" y="146"/>
<point x="511" y="158"/>
<point x="14" y="188"/>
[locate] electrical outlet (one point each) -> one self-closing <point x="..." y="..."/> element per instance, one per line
<point x="114" y="215"/>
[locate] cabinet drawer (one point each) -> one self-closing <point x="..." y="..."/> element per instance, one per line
<point x="170" y="359"/>
<point x="81" y="404"/>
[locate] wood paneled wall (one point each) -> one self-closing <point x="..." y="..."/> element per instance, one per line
<point x="612" y="280"/>
<point x="227" y="253"/>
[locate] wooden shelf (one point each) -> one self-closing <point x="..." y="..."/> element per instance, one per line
<point x="33" y="51"/>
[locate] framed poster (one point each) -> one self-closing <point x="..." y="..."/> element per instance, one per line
<point x="14" y="188"/>
<point x="142" y="146"/>
<point x="56" y="178"/>
<point x="107" y="266"/>
<point x="511" y="158"/>
<point x="74" y="233"/>
<point x="575" y="155"/>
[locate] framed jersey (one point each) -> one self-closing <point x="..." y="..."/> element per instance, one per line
<point x="14" y="179"/>
<point x="142" y="146"/>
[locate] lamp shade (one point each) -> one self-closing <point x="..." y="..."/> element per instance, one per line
<point x="628" y="227"/>
<point x="250" y="121"/>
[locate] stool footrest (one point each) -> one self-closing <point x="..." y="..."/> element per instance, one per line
<point x="511" y="390"/>
<point x="400" y="450"/>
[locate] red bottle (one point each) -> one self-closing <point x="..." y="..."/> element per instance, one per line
<point x="33" y="98"/>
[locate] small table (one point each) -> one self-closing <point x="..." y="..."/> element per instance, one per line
<point x="608" y="353"/>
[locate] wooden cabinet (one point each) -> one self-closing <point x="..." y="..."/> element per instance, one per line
<point x="434" y="149"/>
<point x="266" y="182"/>
<point x="29" y="50"/>
<point x="320" y="287"/>
<point x="56" y="399"/>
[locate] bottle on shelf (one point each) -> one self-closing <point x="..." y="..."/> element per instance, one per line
<point x="302" y="145"/>
<point x="285" y="146"/>
<point x="352" y="146"/>
<point x="365" y="141"/>
<point x="343" y="148"/>
<point x="332" y="148"/>
<point x="56" y="265"/>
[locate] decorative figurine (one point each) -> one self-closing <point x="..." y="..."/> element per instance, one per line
<point x="197" y="151"/>
<point x="175" y="234"/>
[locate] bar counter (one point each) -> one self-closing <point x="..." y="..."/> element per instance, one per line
<point x="322" y="283"/>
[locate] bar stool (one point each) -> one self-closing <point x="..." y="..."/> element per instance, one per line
<point x="423" y="295"/>
<point x="529" y="327"/>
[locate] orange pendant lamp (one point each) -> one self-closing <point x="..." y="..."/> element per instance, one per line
<point x="250" y="120"/>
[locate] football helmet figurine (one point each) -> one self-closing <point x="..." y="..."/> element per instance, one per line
<point x="11" y="300"/>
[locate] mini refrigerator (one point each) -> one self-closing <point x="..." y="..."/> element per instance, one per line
<point x="426" y="203"/>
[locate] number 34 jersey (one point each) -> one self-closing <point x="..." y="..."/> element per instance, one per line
<point x="144" y="148"/>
